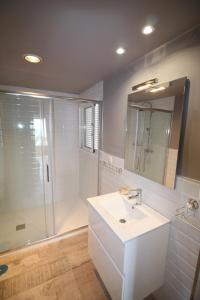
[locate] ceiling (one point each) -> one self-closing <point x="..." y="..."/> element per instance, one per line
<point x="77" y="38"/>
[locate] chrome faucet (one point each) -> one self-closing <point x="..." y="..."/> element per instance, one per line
<point x="138" y="195"/>
<point x="128" y="193"/>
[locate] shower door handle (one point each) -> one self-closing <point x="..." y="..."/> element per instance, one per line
<point x="47" y="166"/>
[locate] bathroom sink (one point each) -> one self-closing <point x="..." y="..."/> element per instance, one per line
<point x="125" y="218"/>
<point x="122" y="209"/>
<point x="125" y="242"/>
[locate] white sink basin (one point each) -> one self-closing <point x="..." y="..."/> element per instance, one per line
<point x="122" y="209"/>
<point x="127" y="222"/>
<point x="129" y="256"/>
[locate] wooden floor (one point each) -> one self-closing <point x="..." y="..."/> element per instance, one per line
<point x="59" y="270"/>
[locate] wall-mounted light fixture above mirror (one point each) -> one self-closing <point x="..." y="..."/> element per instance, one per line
<point x="154" y="121"/>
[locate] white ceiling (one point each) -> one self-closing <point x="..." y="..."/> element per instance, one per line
<point x="77" y="38"/>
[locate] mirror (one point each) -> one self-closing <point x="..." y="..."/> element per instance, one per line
<point x="154" y="120"/>
<point x="195" y="293"/>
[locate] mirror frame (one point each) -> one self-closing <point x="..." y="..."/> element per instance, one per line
<point x="176" y="88"/>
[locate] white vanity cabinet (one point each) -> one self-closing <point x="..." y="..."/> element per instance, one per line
<point x="130" y="269"/>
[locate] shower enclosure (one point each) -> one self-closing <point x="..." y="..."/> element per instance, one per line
<point x="48" y="166"/>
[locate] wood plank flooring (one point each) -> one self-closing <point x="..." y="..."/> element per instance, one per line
<point x="59" y="270"/>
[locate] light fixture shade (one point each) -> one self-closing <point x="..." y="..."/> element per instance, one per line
<point x="145" y="84"/>
<point x="158" y="89"/>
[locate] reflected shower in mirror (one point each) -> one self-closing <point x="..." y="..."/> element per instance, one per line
<point x="154" y="120"/>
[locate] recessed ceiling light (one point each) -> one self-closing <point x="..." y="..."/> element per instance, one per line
<point x="120" y="51"/>
<point x="148" y="29"/>
<point x="32" y="58"/>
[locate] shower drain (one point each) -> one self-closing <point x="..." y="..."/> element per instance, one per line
<point x="122" y="220"/>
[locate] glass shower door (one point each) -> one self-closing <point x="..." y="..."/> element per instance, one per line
<point x="156" y="145"/>
<point x="152" y="143"/>
<point x="24" y="182"/>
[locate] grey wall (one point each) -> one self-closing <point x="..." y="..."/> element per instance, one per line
<point x="179" y="58"/>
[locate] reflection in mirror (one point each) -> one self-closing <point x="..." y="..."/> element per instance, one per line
<point x="154" y="118"/>
<point x="195" y="294"/>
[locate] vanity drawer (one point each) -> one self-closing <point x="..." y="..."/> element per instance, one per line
<point x="105" y="267"/>
<point x="108" y="238"/>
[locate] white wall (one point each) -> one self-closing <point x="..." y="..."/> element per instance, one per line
<point x="66" y="160"/>
<point x="76" y="170"/>
<point x="21" y="185"/>
<point x="89" y="161"/>
<point x="88" y="166"/>
<point x="95" y="92"/>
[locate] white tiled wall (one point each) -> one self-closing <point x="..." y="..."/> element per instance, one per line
<point x="88" y="162"/>
<point x="66" y="150"/>
<point x="66" y="160"/>
<point x="20" y="153"/>
<point x="95" y="92"/>
<point x="88" y="174"/>
<point x="184" y="242"/>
